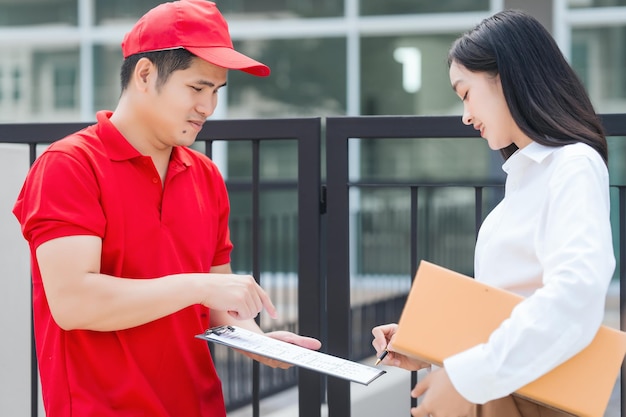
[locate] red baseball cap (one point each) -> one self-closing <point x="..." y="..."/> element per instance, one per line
<point x="196" y="25"/>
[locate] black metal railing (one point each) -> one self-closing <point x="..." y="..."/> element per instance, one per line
<point x="339" y="131"/>
<point x="339" y="270"/>
<point x="306" y="134"/>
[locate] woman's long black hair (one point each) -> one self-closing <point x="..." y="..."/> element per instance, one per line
<point x="545" y="96"/>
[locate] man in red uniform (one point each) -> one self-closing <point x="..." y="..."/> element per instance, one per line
<point x="128" y="231"/>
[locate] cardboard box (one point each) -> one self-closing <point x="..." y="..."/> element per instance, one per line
<point x="447" y="312"/>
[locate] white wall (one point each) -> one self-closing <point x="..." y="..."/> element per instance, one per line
<point x="15" y="303"/>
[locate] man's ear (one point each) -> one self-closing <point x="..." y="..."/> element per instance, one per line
<point x="144" y="74"/>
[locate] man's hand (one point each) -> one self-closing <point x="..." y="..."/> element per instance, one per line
<point x="289" y="337"/>
<point x="383" y="339"/>
<point x="240" y="295"/>
<point x="440" y="398"/>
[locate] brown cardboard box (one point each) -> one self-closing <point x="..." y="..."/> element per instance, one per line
<point x="447" y="312"/>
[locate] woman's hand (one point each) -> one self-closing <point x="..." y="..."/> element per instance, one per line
<point x="439" y="397"/>
<point x="383" y="339"/>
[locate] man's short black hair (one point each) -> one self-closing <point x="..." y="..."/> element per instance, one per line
<point x="166" y="61"/>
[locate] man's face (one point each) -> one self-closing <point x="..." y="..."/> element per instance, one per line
<point x="179" y="107"/>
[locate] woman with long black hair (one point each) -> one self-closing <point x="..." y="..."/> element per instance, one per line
<point x="548" y="239"/>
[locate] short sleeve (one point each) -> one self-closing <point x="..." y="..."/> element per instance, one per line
<point x="224" y="245"/>
<point x="60" y="197"/>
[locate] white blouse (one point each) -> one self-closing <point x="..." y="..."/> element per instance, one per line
<point x="550" y="240"/>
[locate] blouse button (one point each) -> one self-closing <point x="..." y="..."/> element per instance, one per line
<point x="155" y="180"/>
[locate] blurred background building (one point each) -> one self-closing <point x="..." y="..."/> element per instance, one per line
<point x="60" y="62"/>
<point x="61" y="59"/>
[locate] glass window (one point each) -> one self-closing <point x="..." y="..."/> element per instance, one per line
<point x="65" y="87"/>
<point x="377" y="7"/>
<point x="114" y="11"/>
<point x="407" y="159"/>
<point x="107" y="64"/>
<point x="278" y="160"/>
<point x="39" y="12"/>
<point x="595" y="3"/>
<point x="17" y="84"/>
<point x="617" y="165"/>
<point x="54" y="84"/>
<point x="278" y="210"/>
<point x="308" y="79"/>
<point x="279" y="9"/>
<point x="382" y="235"/>
<point x="599" y="58"/>
<point x="407" y="75"/>
<point x="239" y="157"/>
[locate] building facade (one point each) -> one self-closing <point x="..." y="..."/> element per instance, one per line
<point x="61" y="58"/>
<point x="61" y="61"/>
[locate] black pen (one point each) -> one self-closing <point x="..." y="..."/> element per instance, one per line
<point x="382" y="356"/>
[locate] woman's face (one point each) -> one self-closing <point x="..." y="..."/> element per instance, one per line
<point x="484" y="107"/>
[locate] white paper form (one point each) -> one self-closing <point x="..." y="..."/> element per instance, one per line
<point x="239" y="338"/>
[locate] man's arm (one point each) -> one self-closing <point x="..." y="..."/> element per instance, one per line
<point x="80" y="297"/>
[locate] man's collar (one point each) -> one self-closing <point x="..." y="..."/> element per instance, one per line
<point x="119" y="149"/>
<point x="116" y="145"/>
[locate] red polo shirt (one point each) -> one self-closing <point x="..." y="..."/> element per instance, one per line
<point x="94" y="182"/>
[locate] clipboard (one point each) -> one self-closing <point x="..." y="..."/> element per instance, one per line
<point x="243" y="339"/>
<point x="447" y="312"/>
